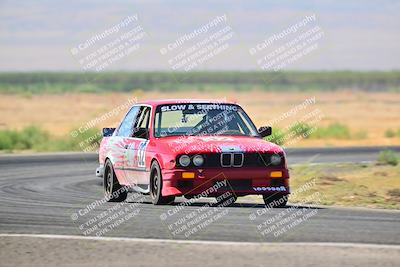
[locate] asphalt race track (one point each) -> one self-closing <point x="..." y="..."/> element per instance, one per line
<point x="50" y="194"/>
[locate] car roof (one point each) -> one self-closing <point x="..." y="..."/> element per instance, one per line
<point x="158" y="102"/>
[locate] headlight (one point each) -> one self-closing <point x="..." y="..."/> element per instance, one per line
<point x="184" y="160"/>
<point x="276" y="159"/>
<point x="198" y="160"/>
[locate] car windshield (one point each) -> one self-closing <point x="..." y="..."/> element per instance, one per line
<point x="202" y="119"/>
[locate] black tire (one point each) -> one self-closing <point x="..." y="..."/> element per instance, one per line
<point x="275" y="201"/>
<point x="156" y="184"/>
<point x="113" y="191"/>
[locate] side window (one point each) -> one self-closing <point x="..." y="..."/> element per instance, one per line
<point x="142" y="123"/>
<point x="144" y="118"/>
<point x="126" y="127"/>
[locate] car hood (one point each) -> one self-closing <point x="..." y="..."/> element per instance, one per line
<point x="217" y="144"/>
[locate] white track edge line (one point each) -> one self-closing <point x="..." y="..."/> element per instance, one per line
<point x="230" y="243"/>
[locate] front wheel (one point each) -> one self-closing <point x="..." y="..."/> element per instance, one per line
<point x="113" y="191"/>
<point x="156" y="184"/>
<point x="275" y="201"/>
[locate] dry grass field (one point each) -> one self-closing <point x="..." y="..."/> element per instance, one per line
<point x="368" y="115"/>
<point x="345" y="184"/>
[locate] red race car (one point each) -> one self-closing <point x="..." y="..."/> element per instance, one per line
<point x="170" y="148"/>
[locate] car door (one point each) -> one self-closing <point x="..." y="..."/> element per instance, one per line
<point x="121" y="141"/>
<point x="135" y="148"/>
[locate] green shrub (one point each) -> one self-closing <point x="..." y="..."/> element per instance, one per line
<point x="86" y="141"/>
<point x="335" y="131"/>
<point x="388" y="157"/>
<point x="6" y="140"/>
<point x="27" y="138"/>
<point x="390" y="133"/>
<point x="361" y="134"/>
<point x="34" y="138"/>
<point x="301" y="129"/>
<point x="278" y="137"/>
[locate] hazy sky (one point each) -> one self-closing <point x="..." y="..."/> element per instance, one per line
<point x="357" y="35"/>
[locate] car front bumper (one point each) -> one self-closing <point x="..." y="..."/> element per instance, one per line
<point x="216" y="181"/>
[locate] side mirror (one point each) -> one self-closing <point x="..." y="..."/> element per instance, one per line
<point x="108" y="132"/>
<point x="265" y="131"/>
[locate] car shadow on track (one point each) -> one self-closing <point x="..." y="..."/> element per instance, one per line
<point x="235" y="205"/>
<point x="261" y="206"/>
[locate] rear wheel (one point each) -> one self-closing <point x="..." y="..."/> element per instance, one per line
<point x="156" y="185"/>
<point x="275" y="201"/>
<point x="113" y="191"/>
